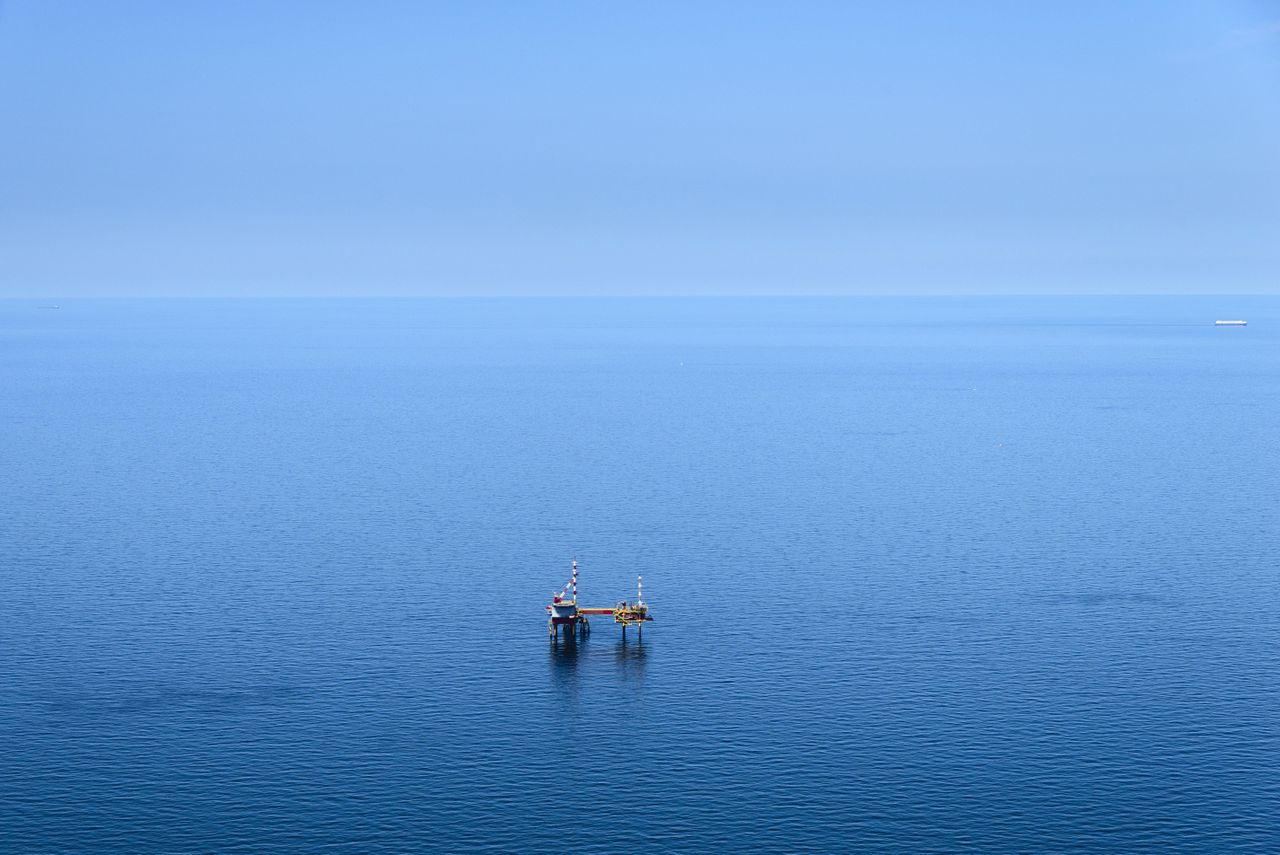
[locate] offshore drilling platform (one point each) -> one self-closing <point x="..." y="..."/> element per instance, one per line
<point x="565" y="612"/>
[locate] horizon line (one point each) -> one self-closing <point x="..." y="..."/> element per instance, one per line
<point x="637" y="296"/>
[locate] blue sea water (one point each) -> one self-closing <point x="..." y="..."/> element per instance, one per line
<point x="929" y="575"/>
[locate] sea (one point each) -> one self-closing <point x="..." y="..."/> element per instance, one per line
<point x="927" y="575"/>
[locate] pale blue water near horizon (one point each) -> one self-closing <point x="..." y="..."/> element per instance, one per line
<point x="929" y="575"/>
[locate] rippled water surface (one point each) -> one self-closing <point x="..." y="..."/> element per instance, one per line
<point x="928" y="575"/>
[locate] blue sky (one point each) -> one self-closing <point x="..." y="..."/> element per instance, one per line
<point x="193" y="148"/>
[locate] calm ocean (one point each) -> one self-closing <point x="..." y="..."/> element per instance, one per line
<point x="929" y="575"/>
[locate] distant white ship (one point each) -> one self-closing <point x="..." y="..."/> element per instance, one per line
<point x="1230" y="323"/>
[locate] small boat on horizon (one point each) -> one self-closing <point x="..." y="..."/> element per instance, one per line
<point x="1230" y="323"/>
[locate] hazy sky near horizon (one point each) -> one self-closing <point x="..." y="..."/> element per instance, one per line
<point x="196" y="148"/>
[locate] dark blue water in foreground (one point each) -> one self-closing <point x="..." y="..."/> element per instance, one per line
<point x="929" y="575"/>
